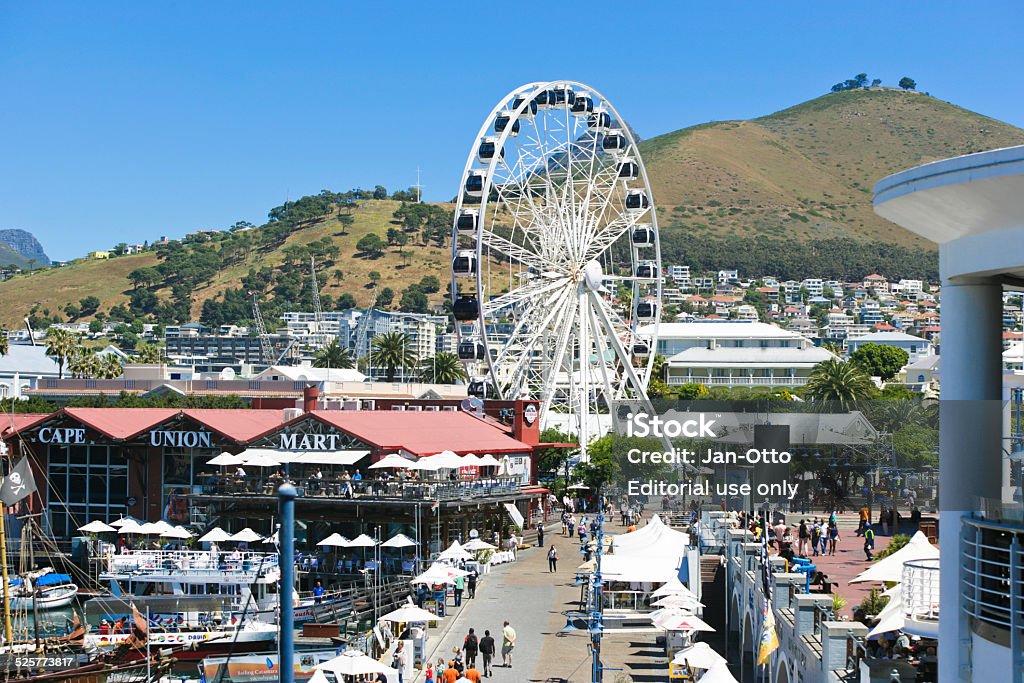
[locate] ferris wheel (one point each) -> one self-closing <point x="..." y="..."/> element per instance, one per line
<point x="556" y="261"/>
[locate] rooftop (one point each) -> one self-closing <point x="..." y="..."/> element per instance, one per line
<point x="725" y="329"/>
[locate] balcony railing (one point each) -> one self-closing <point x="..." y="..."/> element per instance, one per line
<point x="739" y="381"/>
<point x="391" y="489"/>
<point x="993" y="575"/>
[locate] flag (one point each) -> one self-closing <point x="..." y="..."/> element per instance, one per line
<point x="769" y="638"/>
<point x="435" y="505"/>
<point x="19" y="484"/>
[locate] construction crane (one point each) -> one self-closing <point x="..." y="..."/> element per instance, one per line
<point x="261" y="330"/>
<point x="363" y="323"/>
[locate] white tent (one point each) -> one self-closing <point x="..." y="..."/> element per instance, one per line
<point x="353" y="663"/>
<point x="890" y="569"/>
<point x="719" y="673"/>
<point x="477" y="544"/>
<point x="455" y="552"/>
<point x="399" y="541"/>
<point x="246" y="535"/>
<point x="656" y="538"/>
<point x="578" y="487"/>
<point x="698" y="656"/>
<point x="640" y="569"/>
<point x="215" y="535"/>
<point x="96" y="527"/>
<point x="407" y="614"/>
<point x="362" y="541"/>
<point x="392" y="461"/>
<point x="335" y="540"/>
<point x="226" y="460"/>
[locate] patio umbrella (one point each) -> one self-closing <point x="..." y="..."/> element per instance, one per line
<point x="673" y="587"/>
<point x="392" y="461"/>
<point x="273" y="538"/>
<point x="445" y="460"/>
<point x="362" y="541"/>
<point x="890" y="569"/>
<point x="178" y="532"/>
<point x="399" y="541"/>
<point x="215" y="535"/>
<point x="246" y="535"/>
<point x="121" y="520"/>
<point x="354" y="663"/>
<point x="487" y="460"/>
<point x="675" y="620"/>
<point x="226" y="460"/>
<point x="335" y="540"/>
<point x="130" y="527"/>
<point x="699" y="656"/>
<point x="477" y="544"/>
<point x="96" y="527"/>
<point x="719" y="673"/>
<point x="407" y="614"/>
<point x="455" y="552"/>
<point x="439" y="573"/>
<point x="579" y="487"/>
<point x="679" y="600"/>
<point x="261" y="460"/>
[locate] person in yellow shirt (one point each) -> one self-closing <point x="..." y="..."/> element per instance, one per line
<point x="508" y="643"/>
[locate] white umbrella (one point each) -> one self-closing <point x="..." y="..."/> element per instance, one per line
<point x="679" y="600"/>
<point x="890" y="569"/>
<point x="179" y="532"/>
<point x="118" y="522"/>
<point x="160" y="526"/>
<point x="246" y="535"/>
<point x="579" y="487"/>
<point x="226" y="460"/>
<point x="719" y="673"/>
<point x="445" y="460"/>
<point x="477" y="544"/>
<point x="408" y="614"/>
<point x="392" y="461"/>
<point x="892" y="617"/>
<point x="273" y="538"/>
<point x="470" y="460"/>
<point x="699" y="656"/>
<point x="96" y="527"/>
<point x="215" y="535"/>
<point x="399" y="541"/>
<point x="439" y="573"/>
<point x="487" y="460"/>
<point x="335" y="540"/>
<point x="149" y="529"/>
<point x="261" y="460"/>
<point x="131" y="527"/>
<point x="355" y="663"/>
<point x="455" y="552"/>
<point x="673" y="587"/>
<point x="674" y="620"/>
<point x="362" y="541"/>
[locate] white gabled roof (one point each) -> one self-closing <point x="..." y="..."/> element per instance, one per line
<point x="882" y="337"/>
<point x="750" y="357"/>
<point x="307" y="373"/>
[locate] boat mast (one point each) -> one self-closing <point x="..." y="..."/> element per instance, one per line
<point x="8" y="631"/>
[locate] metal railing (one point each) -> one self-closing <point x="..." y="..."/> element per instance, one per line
<point x="393" y="489"/>
<point x="191" y="566"/>
<point x="992" y="588"/>
<point x="921" y="590"/>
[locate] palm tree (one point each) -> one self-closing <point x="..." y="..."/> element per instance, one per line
<point x="148" y="353"/>
<point x="83" y="363"/>
<point x="333" y="356"/>
<point x="444" y="368"/>
<point x="60" y="344"/>
<point x="392" y="352"/>
<point x="4" y="342"/>
<point x="110" y="366"/>
<point x="839" y="383"/>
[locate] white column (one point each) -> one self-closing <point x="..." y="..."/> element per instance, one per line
<point x="970" y="441"/>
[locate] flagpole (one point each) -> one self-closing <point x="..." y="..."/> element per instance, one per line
<point x="8" y="631"/>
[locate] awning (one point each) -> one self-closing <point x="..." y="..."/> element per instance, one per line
<point x="516" y="516"/>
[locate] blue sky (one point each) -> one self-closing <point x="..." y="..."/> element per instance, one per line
<point x="127" y="121"/>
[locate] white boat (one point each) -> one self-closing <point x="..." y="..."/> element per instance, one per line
<point x="262" y="668"/>
<point x="48" y="591"/>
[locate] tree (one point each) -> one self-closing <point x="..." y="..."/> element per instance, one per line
<point x="109" y="366"/>
<point x="346" y="301"/>
<point x="95" y="326"/>
<point x="5" y="343"/>
<point x="338" y="275"/>
<point x="148" y="354"/>
<point x="333" y="356"/>
<point x="393" y="352"/>
<point x="380" y="192"/>
<point x="842" y="384"/>
<point x="371" y="244"/>
<point x="374" y="277"/>
<point x="876" y="82"/>
<point x="385" y="297"/>
<point x="89" y="304"/>
<point x="413" y="301"/>
<point x="430" y="284"/>
<point x="862" y="80"/>
<point x="72" y="311"/>
<point x="60" y="345"/>
<point x="880" y="360"/>
<point x="444" y="368"/>
<point x="908" y="83"/>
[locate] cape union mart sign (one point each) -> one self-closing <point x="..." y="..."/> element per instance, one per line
<point x="157" y="437"/>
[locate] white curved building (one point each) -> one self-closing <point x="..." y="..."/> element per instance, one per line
<point x="973" y="207"/>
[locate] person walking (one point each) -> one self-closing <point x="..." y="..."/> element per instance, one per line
<point x="451" y="674"/>
<point x="471" y="674"/>
<point x="572" y="525"/>
<point x="833" y="537"/>
<point x="869" y="541"/>
<point x="863" y="516"/>
<point x="471" y="584"/>
<point x="565" y="522"/>
<point x="508" y="643"/>
<point x="399" y="660"/>
<point x="815" y="537"/>
<point x="803" y="538"/>
<point x="823" y="537"/>
<point x="487" y="652"/>
<point x="318" y="593"/>
<point x="460" y="585"/>
<point x="552" y="559"/>
<point x="471" y="646"/>
<point x="540" y="534"/>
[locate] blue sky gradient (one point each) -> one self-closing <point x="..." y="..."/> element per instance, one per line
<point x="125" y="121"/>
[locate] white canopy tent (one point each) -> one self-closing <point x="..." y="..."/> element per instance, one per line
<point x="487" y="460"/>
<point x="891" y="618"/>
<point x="122" y="520"/>
<point x="131" y="527"/>
<point x="439" y="573"/>
<point x="259" y="460"/>
<point x="226" y="460"/>
<point x="674" y="587"/>
<point x="675" y="620"/>
<point x="890" y="569"/>
<point x="178" y="532"/>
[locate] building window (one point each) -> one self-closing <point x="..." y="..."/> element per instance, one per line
<point x="185" y="471"/>
<point x="920" y="378"/>
<point x="85" y="483"/>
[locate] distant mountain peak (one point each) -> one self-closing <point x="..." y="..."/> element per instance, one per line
<point x="25" y="244"/>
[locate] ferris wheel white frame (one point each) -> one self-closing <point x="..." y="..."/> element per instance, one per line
<point x="567" y="287"/>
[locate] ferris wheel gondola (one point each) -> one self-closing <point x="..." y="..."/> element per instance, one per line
<point x="556" y="261"/>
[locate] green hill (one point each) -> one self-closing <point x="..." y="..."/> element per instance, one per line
<point x="787" y="194"/>
<point x="807" y="172"/>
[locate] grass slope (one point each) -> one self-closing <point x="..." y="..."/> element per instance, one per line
<point x="807" y="172"/>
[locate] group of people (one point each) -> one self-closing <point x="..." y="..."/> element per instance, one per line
<point x="817" y="538"/>
<point x="463" y="663"/>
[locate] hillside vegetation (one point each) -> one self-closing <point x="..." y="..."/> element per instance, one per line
<point x="787" y="195"/>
